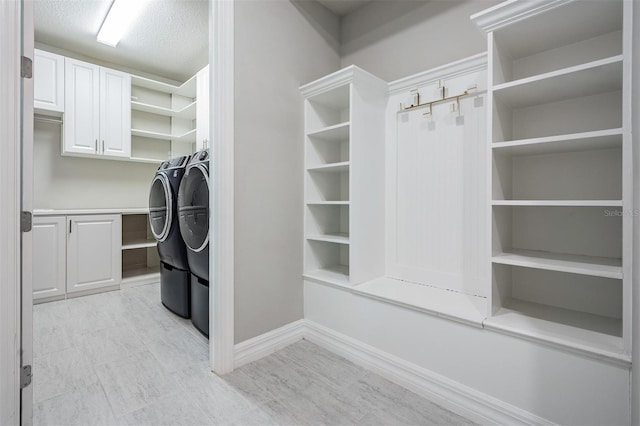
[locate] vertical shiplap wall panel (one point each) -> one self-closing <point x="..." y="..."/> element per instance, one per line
<point x="437" y="193"/>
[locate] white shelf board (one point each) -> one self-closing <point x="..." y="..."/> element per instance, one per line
<point x="145" y="160"/>
<point x="581" y="332"/>
<point x="340" y="238"/>
<point x="331" y="167"/>
<point x="187" y="89"/>
<point x="600" y="139"/>
<point x="336" y="275"/>
<point x="585" y="265"/>
<point x="189" y="136"/>
<point x="140" y="273"/>
<point x="559" y="203"/>
<point x="188" y="112"/>
<point x="337" y="98"/>
<point x="600" y="76"/>
<point x="432" y="300"/>
<point x="132" y="245"/>
<point x="336" y="133"/>
<point x="328" y="203"/>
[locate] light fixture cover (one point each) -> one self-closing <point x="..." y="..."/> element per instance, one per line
<point x="121" y="16"/>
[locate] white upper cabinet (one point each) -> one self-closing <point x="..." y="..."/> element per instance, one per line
<point x="115" y="113"/>
<point x="94" y="252"/>
<point x="48" y="81"/>
<point x="82" y="107"/>
<point x="97" y="110"/>
<point x="202" y="109"/>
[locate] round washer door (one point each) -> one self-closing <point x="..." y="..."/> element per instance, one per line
<point x="193" y="208"/>
<point x="160" y="211"/>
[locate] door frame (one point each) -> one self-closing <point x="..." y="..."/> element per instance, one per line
<point x="221" y="113"/>
<point x="11" y="14"/>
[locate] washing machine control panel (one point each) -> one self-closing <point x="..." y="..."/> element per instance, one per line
<point x="200" y="156"/>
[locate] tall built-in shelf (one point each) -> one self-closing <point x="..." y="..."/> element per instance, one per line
<point x="140" y="261"/>
<point x="559" y="143"/>
<point x="344" y="186"/>
<point x="163" y="119"/>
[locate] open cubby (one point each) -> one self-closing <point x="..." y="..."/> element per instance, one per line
<point x="140" y="260"/>
<point x="151" y="149"/>
<point x="523" y="49"/>
<point x="327" y="109"/>
<point x="330" y="222"/>
<point x="327" y="261"/>
<point x="327" y="150"/>
<point x="580" y="114"/>
<point x="585" y="302"/>
<point x="570" y="230"/>
<point x="140" y="263"/>
<point x="577" y="175"/>
<point x="327" y="186"/>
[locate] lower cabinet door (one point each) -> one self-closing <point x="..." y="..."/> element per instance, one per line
<point x="93" y="252"/>
<point x="49" y="254"/>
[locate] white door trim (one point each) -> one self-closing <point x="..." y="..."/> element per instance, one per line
<point x="10" y="52"/>
<point x="221" y="294"/>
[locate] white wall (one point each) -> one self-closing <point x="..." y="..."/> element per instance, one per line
<point x="636" y="234"/>
<point x="395" y="39"/>
<point x="279" y="45"/>
<point x="73" y="182"/>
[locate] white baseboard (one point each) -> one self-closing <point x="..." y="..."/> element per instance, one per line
<point x="476" y="406"/>
<point x="268" y="343"/>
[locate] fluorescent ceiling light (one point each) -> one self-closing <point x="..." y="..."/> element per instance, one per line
<point x="119" y="20"/>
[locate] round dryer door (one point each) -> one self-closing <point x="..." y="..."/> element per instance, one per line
<point x="160" y="212"/>
<point x="193" y="208"/>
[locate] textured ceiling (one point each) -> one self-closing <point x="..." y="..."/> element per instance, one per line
<point x="343" y="7"/>
<point x="169" y="39"/>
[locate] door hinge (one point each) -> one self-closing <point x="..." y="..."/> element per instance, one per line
<point x="26" y="221"/>
<point x="26" y="67"/>
<point x="25" y="376"/>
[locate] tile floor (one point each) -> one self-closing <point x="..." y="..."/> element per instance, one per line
<point x="121" y="358"/>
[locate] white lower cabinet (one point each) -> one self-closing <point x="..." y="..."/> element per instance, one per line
<point x="49" y="256"/>
<point x="93" y="252"/>
<point x="75" y="254"/>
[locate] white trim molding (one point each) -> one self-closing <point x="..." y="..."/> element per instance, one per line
<point x="445" y="392"/>
<point x="10" y="107"/>
<point x="221" y="91"/>
<point x="268" y="343"/>
<point x="508" y="12"/>
<point x="464" y="66"/>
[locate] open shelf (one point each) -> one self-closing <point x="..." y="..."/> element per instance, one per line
<point x="189" y="136"/>
<point x="596" y="77"/>
<point x="334" y="133"/>
<point x="187" y="89"/>
<point x="553" y="326"/>
<point x="188" y="112"/>
<point x="340" y="238"/>
<point x="594" y="140"/>
<point x="331" y="167"/>
<point x="145" y="243"/>
<point x="559" y="203"/>
<point x="141" y="273"/>
<point x="338" y="275"/>
<point x="586" y="265"/>
<point x="328" y="203"/>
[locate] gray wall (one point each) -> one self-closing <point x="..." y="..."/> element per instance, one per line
<point x="279" y="45"/>
<point x="395" y="39"/>
<point x="72" y="182"/>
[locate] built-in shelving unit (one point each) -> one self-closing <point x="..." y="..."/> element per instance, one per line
<point x="163" y="119"/>
<point x="559" y="141"/>
<point x="140" y="261"/>
<point x="344" y="152"/>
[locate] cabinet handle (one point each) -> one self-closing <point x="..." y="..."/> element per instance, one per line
<point x="70" y="227"/>
<point x="96" y="146"/>
<point x="103" y="147"/>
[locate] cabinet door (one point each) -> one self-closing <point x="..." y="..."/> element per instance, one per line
<point x="115" y="113"/>
<point x="49" y="253"/>
<point x="48" y="81"/>
<point x="94" y="252"/>
<point x="202" y="109"/>
<point x="81" y="104"/>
